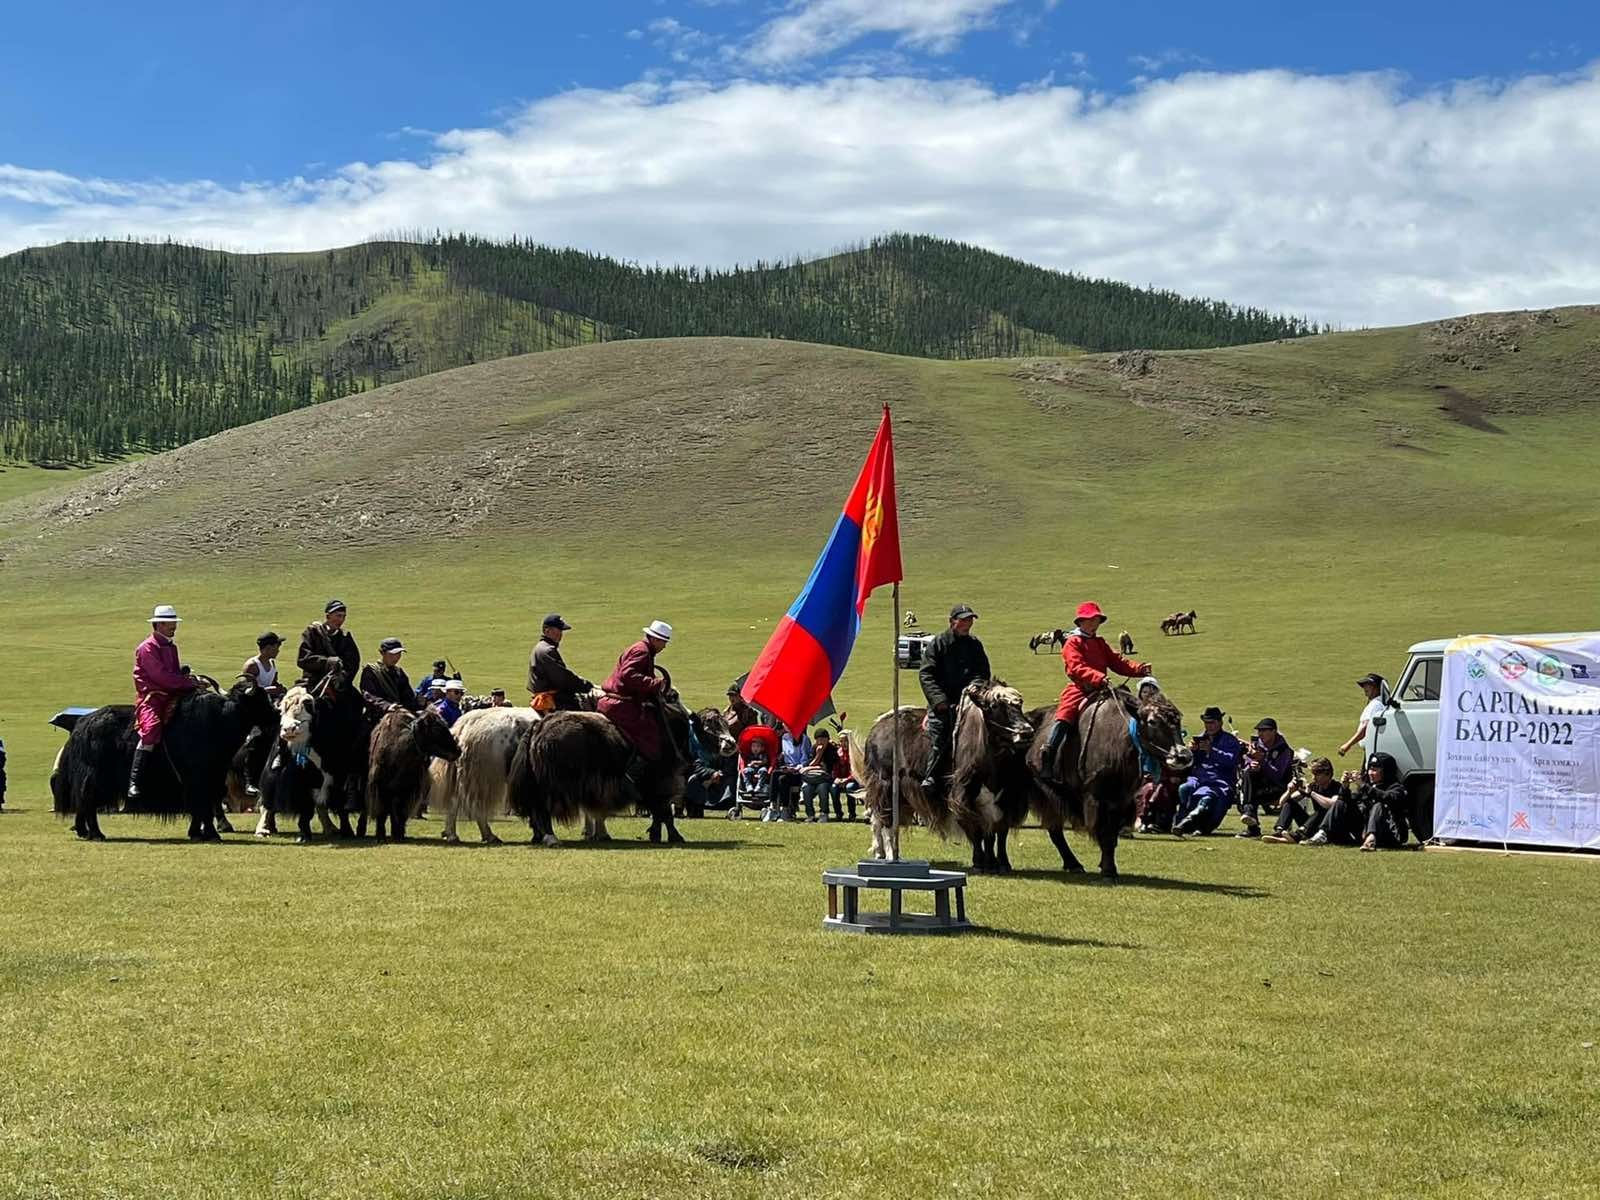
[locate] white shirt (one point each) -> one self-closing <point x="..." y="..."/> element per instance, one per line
<point x="1375" y="708"/>
<point x="266" y="672"/>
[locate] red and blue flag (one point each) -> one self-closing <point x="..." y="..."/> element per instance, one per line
<point x="808" y="651"/>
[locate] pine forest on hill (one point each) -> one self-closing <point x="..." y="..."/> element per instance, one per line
<point x="108" y="346"/>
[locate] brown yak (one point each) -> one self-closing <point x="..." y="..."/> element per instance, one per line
<point x="1097" y="773"/>
<point x="397" y="777"/>
<point x="988" y="794"/>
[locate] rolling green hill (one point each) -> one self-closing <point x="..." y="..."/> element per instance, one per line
<point x="111" y="346"/>
<point x="1321" y="503"/>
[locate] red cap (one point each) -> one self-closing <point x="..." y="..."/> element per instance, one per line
<point x="1089" y="609"/>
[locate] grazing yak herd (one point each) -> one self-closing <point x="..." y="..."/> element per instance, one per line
<point x="313" y="755"/>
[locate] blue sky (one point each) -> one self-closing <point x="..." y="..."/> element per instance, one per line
<point x="659" y="129"/>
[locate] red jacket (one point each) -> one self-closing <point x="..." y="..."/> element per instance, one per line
<point x="628" y="692"/>
<point x="158" y="681"/>
<point x="1087" y="660"/>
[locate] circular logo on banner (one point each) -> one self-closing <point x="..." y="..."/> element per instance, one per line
<point x="1513" y="666"/>
<point x="1549" y="670"/>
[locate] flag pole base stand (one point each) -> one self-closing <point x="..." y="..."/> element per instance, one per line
<point x="845" y="885"/>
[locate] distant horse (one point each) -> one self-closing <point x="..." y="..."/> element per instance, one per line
<point x="1049" y="639"/>
<point x="1179" y="622"/>
<point x="910" y="619"/>
<point x="1125" y="643"/>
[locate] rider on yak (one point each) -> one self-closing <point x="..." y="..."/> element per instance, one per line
<point x="158" y="680"/>
<point x="951" y="661"/>
<point x="632" y="695"/>
<point x="1087" y="657"/>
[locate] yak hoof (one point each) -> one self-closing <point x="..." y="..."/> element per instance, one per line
<point x="453" y="839"/>
<point x="655" y="833"/>
<point x="224" y="825"/>
<point x="302" y="840"/>
<point x="674" y="838"/>
<point x="490" y="839"/>
<point x="1073" y="868"/>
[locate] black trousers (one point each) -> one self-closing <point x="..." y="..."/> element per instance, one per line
<point x="940" y="731"/>
<point x="1343" y="821"/>
<point x="1258" y="794"/>
<point x="1295" y="812"/>
<point x="1388" y="825"/>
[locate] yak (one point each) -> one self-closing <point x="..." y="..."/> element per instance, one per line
<point x="989" y="790"/>
<point x="1093" y="783"/>
<point x="321" y="759"/>
<point x="189" y="771"/>
<point x="397" y="773"/>
<point x="575" y="764"/>
<point x="474" y="785"/>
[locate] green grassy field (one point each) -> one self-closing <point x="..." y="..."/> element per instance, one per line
<point x="1229" y="1019"/>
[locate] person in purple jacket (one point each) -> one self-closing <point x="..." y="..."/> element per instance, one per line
<point x="159" y="679"/>
<point x="1268" y="767"/>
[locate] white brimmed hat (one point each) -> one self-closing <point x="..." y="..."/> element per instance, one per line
<point x="165" y="612"/>
<point x="659" y="629"/>
<point x="454" y="685"/>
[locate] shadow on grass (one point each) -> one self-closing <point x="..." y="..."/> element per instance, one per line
<point x="1238" y="891"/>
<point x="1050" y="939"/>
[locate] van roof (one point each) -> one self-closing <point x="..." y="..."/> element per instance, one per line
<point x="1437" y="645"/>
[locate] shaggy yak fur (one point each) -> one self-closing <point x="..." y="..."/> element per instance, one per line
<point x="397" y="770"/>
<point x="1096" y="775"/>
<point x="574" y="764"/>
<point x="989" y="788"/>
<point x="187" y="774"/>
<point x="320" y="761"/>
<point x="715" y="738"/>
<point x="475" y="785"/>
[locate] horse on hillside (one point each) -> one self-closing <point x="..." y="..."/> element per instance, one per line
<point x="1049" y="639"/>
<point x="1178" y="622"/>
<point x="1095" y="778"/>
<point x="988" y="793"/>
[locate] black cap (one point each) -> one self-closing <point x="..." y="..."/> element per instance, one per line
<point x="1212" y="714"/>
<point x="389" y="644"/>
<point x="962" y="611"/>
<point x="1371" y="677"/>
<point x="1266" y="723"/>
<point x="332" y="606"/>
<point x="497" y="691"/>
<point x="438" y="664"/>
<point x="269" y="639"/>
<point x="554" y="621"/>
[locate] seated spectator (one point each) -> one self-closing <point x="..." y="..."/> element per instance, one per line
<point x="793" y="757"/>
<point x="1307" y="804"/>
<point x="1205" y="797"/>
<point x="497" y="698"/>
<point x="1268" y="767"/>
<point x="1383" y="798"/>
<point x="816" y="777"/>
<point x="845" y="785"/>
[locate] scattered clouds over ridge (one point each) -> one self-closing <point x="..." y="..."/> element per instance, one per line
<point x="1347" y="198"/>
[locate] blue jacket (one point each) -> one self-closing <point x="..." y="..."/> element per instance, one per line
<point x="449" y="710"/>
<point x="1218" y="767"/>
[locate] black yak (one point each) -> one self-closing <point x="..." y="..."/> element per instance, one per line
<point x="989" y="790"/>
<point x="1095" y="778"/>
<point x="575" y="764"/>
<point x="189" y="770"/>
<point x="397" y="768"/>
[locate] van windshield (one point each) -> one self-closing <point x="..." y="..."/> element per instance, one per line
<point x="1422" y="679"/>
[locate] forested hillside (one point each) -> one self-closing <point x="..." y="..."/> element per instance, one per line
<point x="111" y="346"/>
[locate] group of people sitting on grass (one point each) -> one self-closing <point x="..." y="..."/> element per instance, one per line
<point x="1265" y="777"/>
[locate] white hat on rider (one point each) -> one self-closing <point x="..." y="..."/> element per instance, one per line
<point x="1147" y="681"/>
<point x="165" y="612"/>
<point x="454" y="685"/>
<point x="659" y="630"/>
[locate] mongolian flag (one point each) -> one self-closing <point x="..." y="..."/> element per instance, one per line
<point x="808" y="651"/>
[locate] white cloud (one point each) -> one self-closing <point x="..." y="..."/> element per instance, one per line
<point x="812" y="28"/>
<point x="1345" y="198"/>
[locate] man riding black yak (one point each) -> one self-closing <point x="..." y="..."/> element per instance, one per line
<point x="159" y="680"/>
<point x="951" y="661"/>
<point x="632" y="700"/>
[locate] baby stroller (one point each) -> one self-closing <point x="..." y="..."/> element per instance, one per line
<point x="755" y="740"/>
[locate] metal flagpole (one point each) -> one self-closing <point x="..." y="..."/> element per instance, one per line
<point x="894" y="787"/>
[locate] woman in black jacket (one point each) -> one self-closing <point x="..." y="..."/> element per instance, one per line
<point x="1384" y="800"/>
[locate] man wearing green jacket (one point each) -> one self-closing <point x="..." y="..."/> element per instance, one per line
<point x="951" y="661"/>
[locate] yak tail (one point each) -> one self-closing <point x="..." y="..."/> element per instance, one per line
<point x="522" y="790"/>
<point x="59" y="789"/>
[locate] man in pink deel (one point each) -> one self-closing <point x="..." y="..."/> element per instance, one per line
<point x="158" y="680"/>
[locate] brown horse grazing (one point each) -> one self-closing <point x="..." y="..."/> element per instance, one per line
<point x="988" y="794"/>
<point x="1096" y="775"/>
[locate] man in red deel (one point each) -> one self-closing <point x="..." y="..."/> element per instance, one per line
<point x="1088" y="657"/>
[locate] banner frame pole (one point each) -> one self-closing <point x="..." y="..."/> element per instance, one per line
<point x="894" y="707"/>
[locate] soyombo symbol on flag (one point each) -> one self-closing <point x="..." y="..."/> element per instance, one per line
<point x="808" y="651"/>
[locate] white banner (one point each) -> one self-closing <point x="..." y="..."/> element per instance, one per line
<point x="1519" y="741"/>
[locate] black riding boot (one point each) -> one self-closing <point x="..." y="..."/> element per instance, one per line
<point x="633" y="779"/>
<point x="141" y="756"/>
<point x="1058" y="736"/>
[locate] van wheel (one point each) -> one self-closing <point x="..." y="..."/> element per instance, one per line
<point x="1419" y="790"/>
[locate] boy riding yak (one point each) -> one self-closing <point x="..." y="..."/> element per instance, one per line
<point x="1088" y="657"/>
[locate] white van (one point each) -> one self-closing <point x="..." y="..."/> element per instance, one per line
<point x="1409" y="730"/>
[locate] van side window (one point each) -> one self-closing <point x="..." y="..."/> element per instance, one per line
<point x="1423" y="679"/>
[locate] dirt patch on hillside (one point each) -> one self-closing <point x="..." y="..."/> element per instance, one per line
<point x="1195" y="388"/>
<point x="1464" y="410"/>
<point x="1476" y="342"/>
